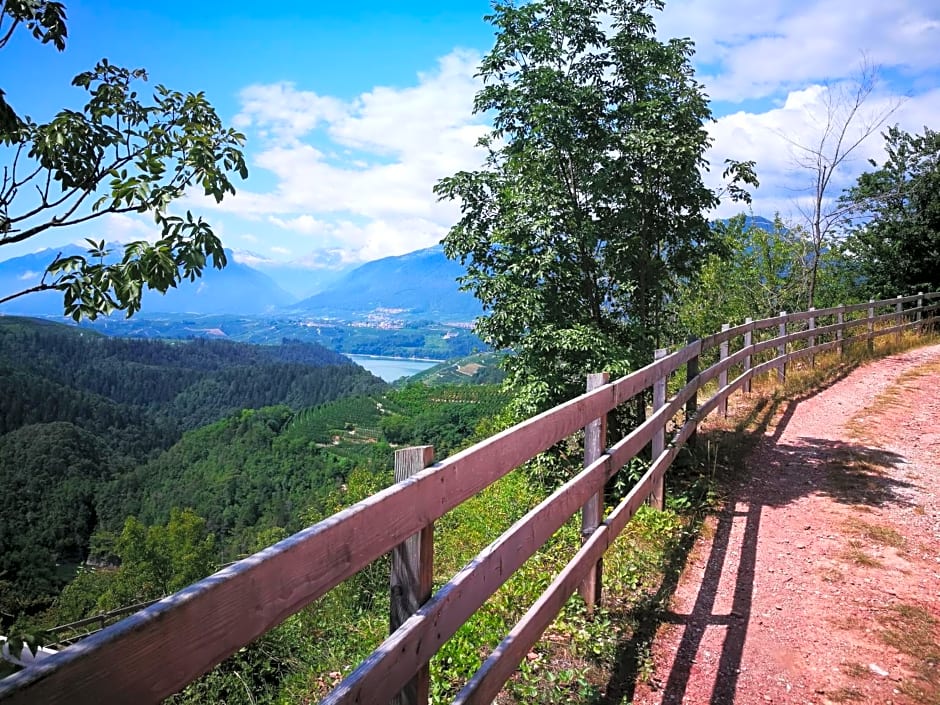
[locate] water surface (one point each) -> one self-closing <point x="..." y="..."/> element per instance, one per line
<point x="391" y="368"/>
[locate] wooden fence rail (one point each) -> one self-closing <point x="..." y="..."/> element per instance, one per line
<point x="157" y="651"/>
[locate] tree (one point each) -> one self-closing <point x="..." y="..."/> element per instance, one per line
<point x="896" y="214"/>
<point x="160" y="559"/>
<point x="758" y="273"/>
<point x="590" y="204"/>
<point x="121" y="153"/>
<point x="846" y="120"/>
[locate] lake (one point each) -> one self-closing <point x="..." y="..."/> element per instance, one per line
<point x="392" y="368"/>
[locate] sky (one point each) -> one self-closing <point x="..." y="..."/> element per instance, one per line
<point x="354" y="110"/>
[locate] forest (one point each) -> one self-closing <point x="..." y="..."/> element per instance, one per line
<point x="249" y="439"/>
<point x="80" y="411"/>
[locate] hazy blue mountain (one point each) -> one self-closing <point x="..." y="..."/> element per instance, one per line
<point x="758" y="221"/>
<point x="26" y="271"/>
<point x="236" y="289"/>
<point x="303" y="277"/>
<point x="421" y="284"/>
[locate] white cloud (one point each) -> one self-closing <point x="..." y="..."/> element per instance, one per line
<point x="754" y="50"/>
<point x="768" y="138"/>
<point x="356" y="176"/>
<point x="28" y="275"/>
<point x="359" y="174"/>
<point x="283" y="112"/>
<point x="124" y="228"/>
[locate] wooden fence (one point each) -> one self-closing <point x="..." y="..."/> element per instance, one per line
<point x="159" y="650"/>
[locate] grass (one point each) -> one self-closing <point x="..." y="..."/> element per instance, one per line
<point x="847" y="694"/>
<point x="855" y="553"/>
<point x="915" y="632"/>
<point x="875" y="533"/>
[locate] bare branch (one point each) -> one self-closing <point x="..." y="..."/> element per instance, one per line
<point x="844" y="128"/>
<point x="24" y="292"/>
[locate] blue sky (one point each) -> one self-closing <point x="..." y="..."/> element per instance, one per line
<point x="354" y="110"/>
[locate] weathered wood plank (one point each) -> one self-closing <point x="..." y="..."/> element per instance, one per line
<point x="691" y="376"/>
<point x="595" y="440"/>
<point x="485" y="685"/>
<point x="728" y="333"/>
<point x="629" y="386"/>
<point x="748" y="342"/>
<point x="658" y="443"/>
<point x="420" y="637"/>
<point x="412" y="574"/>
<point x="724" y="364"/>
<point x="723" y="374"/>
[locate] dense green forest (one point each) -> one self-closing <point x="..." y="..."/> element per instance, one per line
<point x="80" y="412"/>
<point x="255" y="441"/>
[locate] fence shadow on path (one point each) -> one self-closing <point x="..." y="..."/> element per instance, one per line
<point x="776" y="475"/>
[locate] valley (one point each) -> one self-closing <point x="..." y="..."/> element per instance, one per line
<point x="117" y="452"/>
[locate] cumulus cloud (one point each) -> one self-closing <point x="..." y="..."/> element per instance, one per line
<point x="750" y="50"/>
<point x="772" y="139"/>
<point x="359" y="174"/>
<point x="356" y="176"/>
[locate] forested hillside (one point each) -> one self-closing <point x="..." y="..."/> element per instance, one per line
<point x="80" y="411"/>
<point x="105" y="440"/>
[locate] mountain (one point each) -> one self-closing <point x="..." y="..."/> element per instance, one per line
<point x="303" y="277"/>
<point x="26" y="271"/>
<point x="421" y="284"/>
<point x="236" y="289"/>
<point x="758" y="221"/>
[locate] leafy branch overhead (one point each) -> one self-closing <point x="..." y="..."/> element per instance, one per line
<point x="123" y="152"/>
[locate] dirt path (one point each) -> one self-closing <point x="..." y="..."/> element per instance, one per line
<point x="820" y="583"/>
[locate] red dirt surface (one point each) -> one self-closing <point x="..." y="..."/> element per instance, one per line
<point x="820" y="580"/>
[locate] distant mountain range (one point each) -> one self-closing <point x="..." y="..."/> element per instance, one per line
<point x="420" y="285"/>
<point x="236" y="289"/>
<point x="417" y="285"/>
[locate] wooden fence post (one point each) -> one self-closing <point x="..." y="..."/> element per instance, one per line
<point x="723" y="375"/>
<point x="782" y="349"/>
<point x="840" y="319"/>
<point x="658" y="496"/>
<point x="412" y="573"/>
<point x="595" y="441"/>
<point x="812" y="338"/>
<point x="691" y="406"/>
<point x="871" y="325"/>
<point x="920" y="311"/>
<point x="748" y="341"/>
<point x="899" y="309"/>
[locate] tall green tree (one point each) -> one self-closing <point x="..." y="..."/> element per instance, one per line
<point x="896" y="234"/>
<point x="589" y="207"/>
<point x="121" y="153"/>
